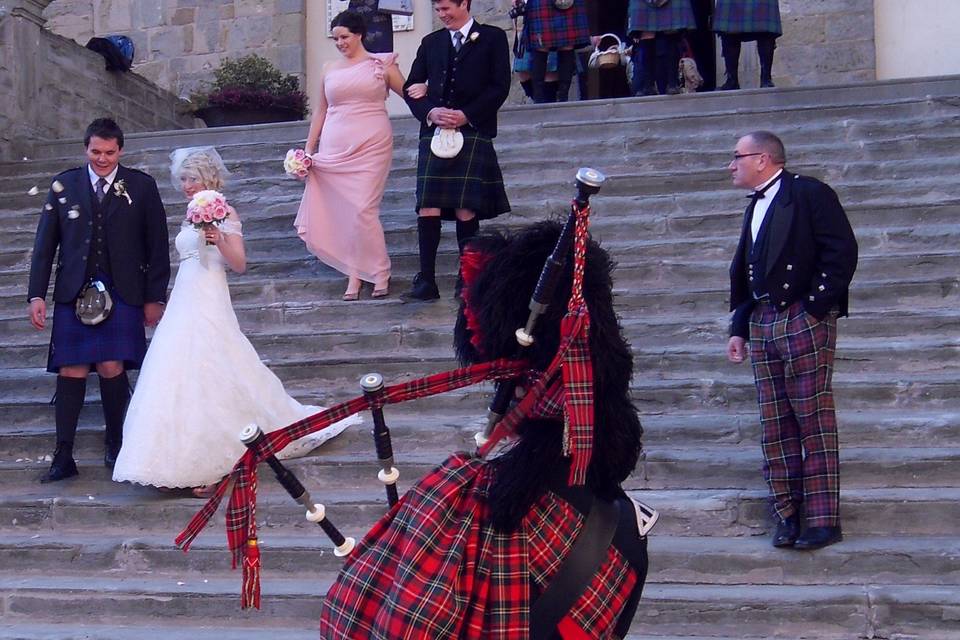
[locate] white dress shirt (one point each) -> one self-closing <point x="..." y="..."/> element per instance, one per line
<point x="465" y="30"/>
<point x="109" y="178"/>
<point x="760" y="209"/>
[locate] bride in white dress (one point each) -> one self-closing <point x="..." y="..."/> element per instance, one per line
<point x="202" y="381"/>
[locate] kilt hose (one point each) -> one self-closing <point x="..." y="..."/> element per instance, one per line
<point x="471" y="180"/>
<point x="547" y="28"/>
<point x="792" y="355"/>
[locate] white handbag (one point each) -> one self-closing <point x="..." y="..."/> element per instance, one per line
<point x="446" y="143"/>
<point x="396" y="7"/>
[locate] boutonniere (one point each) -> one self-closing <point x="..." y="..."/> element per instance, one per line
<point x="474" y="36"/>
<point x="120" y="190"/>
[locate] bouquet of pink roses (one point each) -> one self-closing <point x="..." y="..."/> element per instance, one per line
<point x="207" y="207"/>
<point x="297" y="163"/>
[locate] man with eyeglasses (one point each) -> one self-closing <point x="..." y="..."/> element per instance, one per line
<point x="789" y="283"/>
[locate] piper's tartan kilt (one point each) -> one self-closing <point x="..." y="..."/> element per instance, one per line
<point x="547" y="27"/>
<point x="676" y="15"/>
<point x="747" y="16"/>
<point x="471" y="180"/>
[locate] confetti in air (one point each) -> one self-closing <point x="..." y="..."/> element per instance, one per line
<point x="57" y="186"/>
<point x="33" y="191"/>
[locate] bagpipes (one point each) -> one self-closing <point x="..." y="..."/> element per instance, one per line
<point x="566" y="382"/>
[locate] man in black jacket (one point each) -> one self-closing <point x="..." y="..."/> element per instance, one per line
<point x="106" y="225"/>
<point x="466" y="66"/>
<point x="788" y="285"/>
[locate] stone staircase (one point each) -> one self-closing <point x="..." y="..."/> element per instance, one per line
<point x="92" y="559"/>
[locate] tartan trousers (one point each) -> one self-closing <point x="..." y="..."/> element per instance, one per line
<point x="792" y="355"/>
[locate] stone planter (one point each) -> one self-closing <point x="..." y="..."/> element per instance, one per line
<point x="228" y="116"/>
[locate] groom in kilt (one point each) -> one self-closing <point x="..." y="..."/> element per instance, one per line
<point x="106" y="226"/>
<point x="466" y="66"/>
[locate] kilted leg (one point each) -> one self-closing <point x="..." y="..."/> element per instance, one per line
<point x="794" y="373"/>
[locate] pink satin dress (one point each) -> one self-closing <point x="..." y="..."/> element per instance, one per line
<point x="339" y="216"/>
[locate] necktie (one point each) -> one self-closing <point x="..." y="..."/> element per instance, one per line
<point x="458" y="41"/>
<point x="101" y="185"/>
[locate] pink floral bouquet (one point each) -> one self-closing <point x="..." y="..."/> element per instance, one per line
<point x="297" y="163"/>
<point x="207" y="208"/>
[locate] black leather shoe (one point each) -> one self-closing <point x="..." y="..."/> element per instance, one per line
<point x="423" y="290"/>
<point x="61" y="468"/>
<point x="110" y="454"/>
<point x="787" y="532"/>
<point x="818" y="537"/>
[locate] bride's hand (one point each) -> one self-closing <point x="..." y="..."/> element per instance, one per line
<point x="212" y="234"/>
<point x="417" y="90"/>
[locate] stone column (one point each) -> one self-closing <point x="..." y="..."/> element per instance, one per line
<point x="30" y="10"/>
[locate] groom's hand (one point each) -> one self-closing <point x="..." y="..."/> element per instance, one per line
<point x="38" y="313"/>
<point x="152" y="312"/>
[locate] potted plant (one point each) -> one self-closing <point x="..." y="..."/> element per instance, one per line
<point x="250" y="90"/>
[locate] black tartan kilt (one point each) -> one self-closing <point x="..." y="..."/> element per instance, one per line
<point x="472" y="180"/>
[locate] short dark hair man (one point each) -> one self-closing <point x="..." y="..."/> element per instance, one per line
<point x="788" y="284"/>
<point x="466" y="66"/>
<point x="105" y="223"/>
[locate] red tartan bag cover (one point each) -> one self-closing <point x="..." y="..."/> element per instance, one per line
<point x="433" y="567"/>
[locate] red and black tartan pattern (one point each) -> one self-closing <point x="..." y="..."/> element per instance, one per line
<point x="434" y="568"/>
<point x="792" y="355"/>
<point x="747" y="16"/>
<point x="545" y="27"/>
<point x="240" y="520"/>
<point x="676" y="15"/>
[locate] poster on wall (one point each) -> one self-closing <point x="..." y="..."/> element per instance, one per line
<point x="366" y="7"/>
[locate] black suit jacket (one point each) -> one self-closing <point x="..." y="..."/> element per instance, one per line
<point x="811" y="253"/>
<point x="481" y="77"/>
<point x="135" y="233"/>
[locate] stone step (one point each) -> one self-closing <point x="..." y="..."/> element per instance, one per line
<point x="843" y="611"/>
<point x="353" y="465"/>
<point x="675" y="559"/>
<point x="70" y="506"/>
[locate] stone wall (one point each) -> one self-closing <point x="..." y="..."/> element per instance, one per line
<point x="51" y="87"/>
<point x="180" y="42"/>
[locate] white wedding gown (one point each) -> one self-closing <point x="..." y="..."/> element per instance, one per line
<point x="201" y="383"/>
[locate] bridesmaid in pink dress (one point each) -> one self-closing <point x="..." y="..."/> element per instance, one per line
<point x="351" y="143"/>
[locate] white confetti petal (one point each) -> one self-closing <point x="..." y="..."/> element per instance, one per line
<point x="48" y="207"/>
<point x="205" y="581"/>
<point x="90" y="498"/>
<point x="14" y="521"/>
<point x="62" y="200"/>
<point x="35" y="536"/>
<point x="19" y="459"/>
<point x="33" y="191"/>
<point x="73" y="214"/>
<point x="26" y="159"/>
<point x="48" y="458"/>
<point x="180" y="584"/>
<point x="57" y="186"/>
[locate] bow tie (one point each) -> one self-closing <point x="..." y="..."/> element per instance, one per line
<point x="760" y="194"/>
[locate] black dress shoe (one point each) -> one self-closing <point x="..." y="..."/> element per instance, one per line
<point x="818" y="537"/>
<point x="110" y="454"/>
<point x="787" y="532"/>
<point x="61" y="468"/>
<point x="423" y="290"/>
